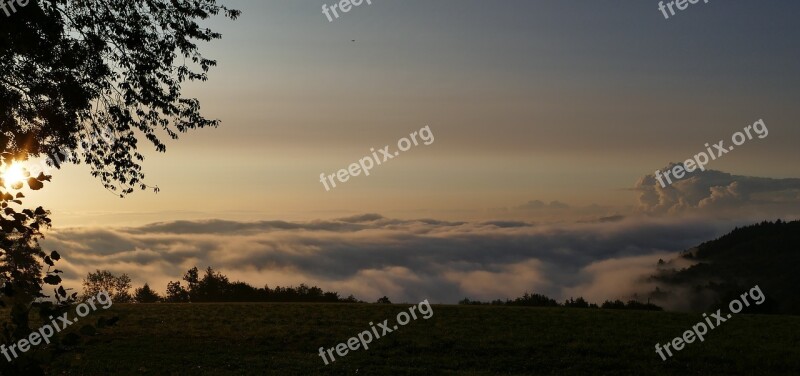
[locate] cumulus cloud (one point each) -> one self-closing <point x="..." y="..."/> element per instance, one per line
<point x="718" y="193"/>
<point x="371" y="255"/>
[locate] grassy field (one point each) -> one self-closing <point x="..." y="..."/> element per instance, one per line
<point x="283" y="339"/>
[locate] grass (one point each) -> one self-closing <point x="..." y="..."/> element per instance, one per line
<point x="283" y="339"/>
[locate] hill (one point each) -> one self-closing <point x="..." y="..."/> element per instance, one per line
<point x="765" y="254"/>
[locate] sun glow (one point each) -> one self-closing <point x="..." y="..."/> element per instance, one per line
<point x="13" y="174"/>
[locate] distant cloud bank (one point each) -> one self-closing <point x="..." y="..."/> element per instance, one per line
<point x="593" y="251"/>
<point x="408" y="260"/>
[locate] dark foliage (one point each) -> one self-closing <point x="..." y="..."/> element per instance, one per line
<point x="24" y="282"/>
<point x="631" y="305"/>
<point x="533" y="300"/>
<point x="577" y="303"/>
<point x="145" y="294"/>
<point x="539" y="300"/>
<point x="176" y="293"/>
<point x="764" y="254"/>
<point x="216" y="287"/>
<point x="118" y="287"/>
<point x="87" y="80"/>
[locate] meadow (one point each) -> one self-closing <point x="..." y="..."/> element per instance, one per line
<point x="283" y="339"/>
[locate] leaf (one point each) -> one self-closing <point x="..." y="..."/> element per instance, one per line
<point x="34" y="184"/>
<point x="52" y="279"/>
<point x="48" y="261"/>
<point x="17" y="185"/>
<point x="55" y="256"/>
<point x="62" y="292"/>
<point x="20" y="195"/>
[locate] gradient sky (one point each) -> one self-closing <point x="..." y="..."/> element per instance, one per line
<point x="528" y="100"/>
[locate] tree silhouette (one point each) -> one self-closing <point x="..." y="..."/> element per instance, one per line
<point x="216" y="287"/>
<point x="118" y="287"/>
<point x="85" y="81"/>
<point x="145" y="294"/>
<point x="192" y="278"/>
<point x="577" y="303"/>
<point x="176" y="293"/>
<point x="22" y="277"/>
<point x="533" y="300"/>
<point x="616" y="304"/>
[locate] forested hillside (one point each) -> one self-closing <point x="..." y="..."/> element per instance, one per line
<point x="765" y="254"/>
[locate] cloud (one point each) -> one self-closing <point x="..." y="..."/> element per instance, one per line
<point x="611" y="218"/>
<point x="371" y="256"/>
<point x="496" y="280"/>
<point x="507" y="224"/>
<point x="539" y="212"/>
<point x="717" y="193"/>
<point x="612" y="279"/>
<point x="539" y="205"/>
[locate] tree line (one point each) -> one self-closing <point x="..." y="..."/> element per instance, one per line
<point x="211" y="286"/>
<point x="539" y="300"/>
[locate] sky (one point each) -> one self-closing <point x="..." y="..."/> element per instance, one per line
<point x="549" y="120"/>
